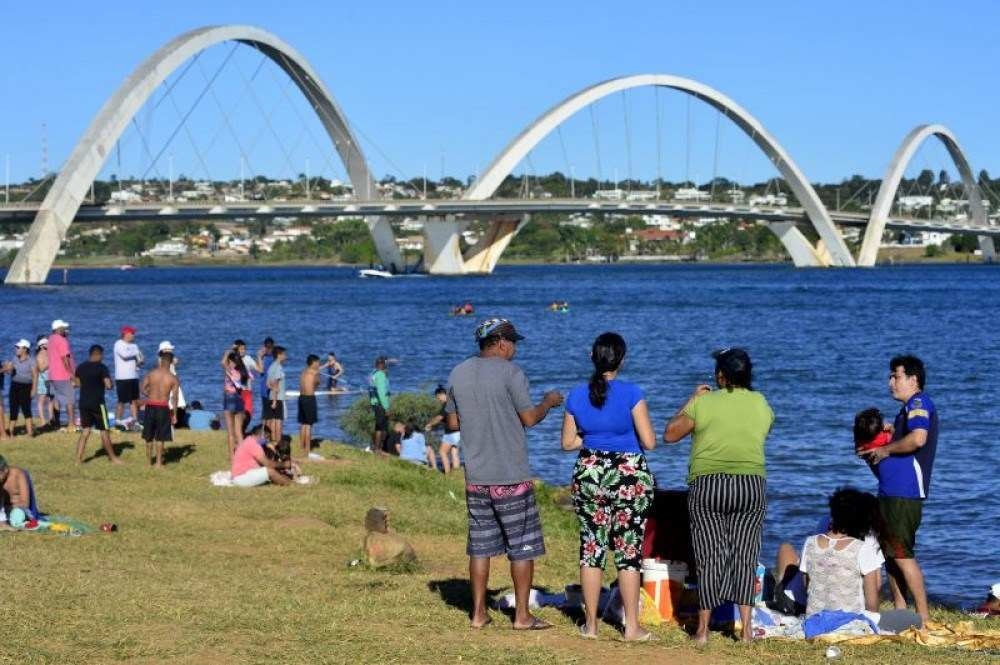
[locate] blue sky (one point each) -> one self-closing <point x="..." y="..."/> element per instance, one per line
<point x="839" y="85"/>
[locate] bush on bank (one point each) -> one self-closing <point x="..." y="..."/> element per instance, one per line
<point x="358" y="422"/>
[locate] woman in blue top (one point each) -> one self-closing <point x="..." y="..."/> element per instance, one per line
<point x="608" y="422"/>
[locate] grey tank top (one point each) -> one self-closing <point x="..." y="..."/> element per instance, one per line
<point x="22" y="370"/>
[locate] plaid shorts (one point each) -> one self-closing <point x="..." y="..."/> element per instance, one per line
<point x="503" y="519"/>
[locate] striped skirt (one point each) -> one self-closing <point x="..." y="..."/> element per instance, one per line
<point x="727" y="517"/>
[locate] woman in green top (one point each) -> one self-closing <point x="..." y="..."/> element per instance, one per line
<point x="726" y="501"/>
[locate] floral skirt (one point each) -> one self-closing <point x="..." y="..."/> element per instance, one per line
<point x="612" y="493"/>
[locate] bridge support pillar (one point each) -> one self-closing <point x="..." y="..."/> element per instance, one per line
<point x="803" y="254"/>
<point x="482" y="258"/>
<point x="385" y="243"/>
<point x="442" y="251"/>
<point x="988" y="248"/>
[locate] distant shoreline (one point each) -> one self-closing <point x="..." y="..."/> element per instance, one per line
<point x="888" y="258"/>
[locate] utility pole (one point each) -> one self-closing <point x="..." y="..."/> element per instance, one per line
<point x="425" y="183"/>
<point x="170" y="177"/>
<point x="572" y="182"/>
<point x="307" y="179"/>
<point x="242" y="178"/>
<point x="6" y="182"/>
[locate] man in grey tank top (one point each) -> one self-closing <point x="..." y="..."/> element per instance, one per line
<point x="489" y="404"/>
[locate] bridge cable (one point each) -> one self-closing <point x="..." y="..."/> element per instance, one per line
<point x="316" y="144"/>
<point x="687" y="143"/>
<point x="595" y="130"/>
<point x="267" y="120"/>
<point x="226" y="123"/>
<point x="659" y="149"/>
<point x="197" y="100"/>
<point x="350" y="125"/>
<point x="628" y="139"/>
<point x="565" y="154"/>
<point x="715" y="156"/>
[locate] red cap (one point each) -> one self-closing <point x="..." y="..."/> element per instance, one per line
<point x="128" y="329"/>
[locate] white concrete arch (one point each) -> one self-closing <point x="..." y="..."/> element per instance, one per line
<point x="832" y="249"/>
<point x="882" y="207"/>
<point x="31" y="266"/>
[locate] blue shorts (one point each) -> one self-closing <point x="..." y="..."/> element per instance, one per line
<point x="232" y="403"/>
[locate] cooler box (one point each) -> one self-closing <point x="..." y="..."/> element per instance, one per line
<point x="664" y="581"/>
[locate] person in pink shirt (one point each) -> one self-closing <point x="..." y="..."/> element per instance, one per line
<point x="251" y="467"/>
<point x="61" y="370"/>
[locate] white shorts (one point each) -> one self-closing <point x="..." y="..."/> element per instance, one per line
<point x="252" y="478"/>
<point x="452" y="438"/>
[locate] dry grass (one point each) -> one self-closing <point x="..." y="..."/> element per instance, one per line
<point x="199" y="574"/>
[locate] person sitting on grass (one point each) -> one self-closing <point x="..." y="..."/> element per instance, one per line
<point x="413" y="447"/>
<point x="17" y="491"/>
<point x="200" y="419"/>
<point x="251" y="466"/>
<point x="840" y="567"/>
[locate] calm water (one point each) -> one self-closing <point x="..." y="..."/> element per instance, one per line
<point x="820" y="341"/>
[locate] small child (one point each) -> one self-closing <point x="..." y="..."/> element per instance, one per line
<point x="870" y="431"/>
<point x="413" y="447"/>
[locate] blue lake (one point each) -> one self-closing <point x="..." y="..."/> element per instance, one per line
<point x="820" y="341"/>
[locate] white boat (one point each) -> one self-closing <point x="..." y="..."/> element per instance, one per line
<point x="372" y="272"/>
<point x="319" y="393"/>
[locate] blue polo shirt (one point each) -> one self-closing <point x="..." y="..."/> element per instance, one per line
<point x="909" y="476"/>
<point x="609" y="428"/>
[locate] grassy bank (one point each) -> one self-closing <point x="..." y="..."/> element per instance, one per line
<point x="199" y="574"/>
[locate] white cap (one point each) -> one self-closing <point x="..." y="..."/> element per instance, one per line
<point x="165" y="346"/>
<point x="23" y="343"/>
<point x="59" y="323"/>
<point x="42" y="342"/>
<point x="995" y="590"/>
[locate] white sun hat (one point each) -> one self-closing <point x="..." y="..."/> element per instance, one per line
<point x="165" y="346"/>
<point x="59" y="323"/>
<point x="22" y="344"/>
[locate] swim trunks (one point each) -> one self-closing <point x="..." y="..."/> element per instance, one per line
<point x="156" y="426"/>
<point x="94" y="417"/>
<point x="504" y="519"/>
<point x="127" y="390"/>
<point x="307" y="410"/>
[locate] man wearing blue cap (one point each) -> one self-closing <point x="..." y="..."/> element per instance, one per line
<point x="489" y="404"/>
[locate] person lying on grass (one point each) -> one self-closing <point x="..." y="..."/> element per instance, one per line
<point x="252" y="467"/>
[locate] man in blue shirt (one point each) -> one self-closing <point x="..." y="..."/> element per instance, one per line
<point x="903" y="468"/>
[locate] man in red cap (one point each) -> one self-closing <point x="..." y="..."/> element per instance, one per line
<point x="128" y="360"/>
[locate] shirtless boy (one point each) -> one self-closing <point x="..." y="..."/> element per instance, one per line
<point x="308" y="382"/>
<point x="160" y="389"/>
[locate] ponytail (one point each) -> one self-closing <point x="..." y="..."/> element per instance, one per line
<point x="607" y="354"/>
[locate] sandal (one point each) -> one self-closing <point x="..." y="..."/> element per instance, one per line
<point x="536" y="624"/>
<point x="585" y="635"/>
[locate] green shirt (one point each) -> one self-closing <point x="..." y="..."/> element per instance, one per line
<point x="729" y="431"/>
<point x="378" y="389"/>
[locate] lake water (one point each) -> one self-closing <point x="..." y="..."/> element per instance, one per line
<point x="820" y="341"/>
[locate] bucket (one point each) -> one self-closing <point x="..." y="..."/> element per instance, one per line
<point x="664" y="582"/>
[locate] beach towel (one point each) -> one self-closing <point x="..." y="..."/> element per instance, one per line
<point x="829" y="621"/>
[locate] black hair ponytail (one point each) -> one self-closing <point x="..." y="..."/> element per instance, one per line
<point x="607" y="354"/>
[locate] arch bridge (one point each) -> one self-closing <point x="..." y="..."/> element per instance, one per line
<point x="442" y="253"/>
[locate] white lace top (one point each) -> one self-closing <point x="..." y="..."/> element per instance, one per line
<point x="835" y="575"/>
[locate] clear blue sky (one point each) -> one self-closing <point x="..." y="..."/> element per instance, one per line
<point x="839" y="84"/>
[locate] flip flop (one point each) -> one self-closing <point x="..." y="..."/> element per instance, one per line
<point x="488" y="621"/>
<point x="648" y="637"/>
<point x="585" y="635"/>
<point x="536" y="624"/>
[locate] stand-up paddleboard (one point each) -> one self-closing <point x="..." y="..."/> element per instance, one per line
<point x="318" y="393"/>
